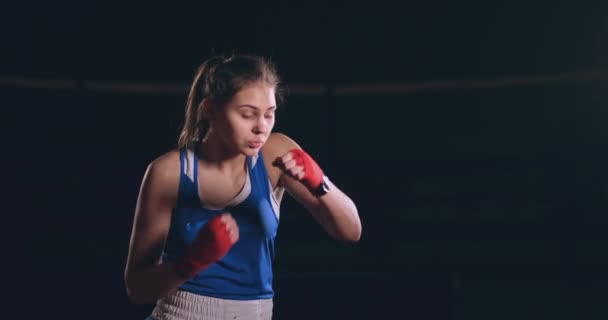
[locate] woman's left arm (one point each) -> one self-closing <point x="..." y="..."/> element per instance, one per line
<point x="302" y="177"/>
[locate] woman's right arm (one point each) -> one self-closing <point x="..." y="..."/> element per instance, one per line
<point x="146" y="278"/>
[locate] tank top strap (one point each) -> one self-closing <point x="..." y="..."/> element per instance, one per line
<point x="187" y="194"/>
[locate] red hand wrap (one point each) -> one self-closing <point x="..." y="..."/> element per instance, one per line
<point x="313" y="175"/>
<point x="210" y="245"/>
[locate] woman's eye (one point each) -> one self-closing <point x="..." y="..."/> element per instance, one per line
<point x="248" y="115"/>
<point x="269" y="115"/>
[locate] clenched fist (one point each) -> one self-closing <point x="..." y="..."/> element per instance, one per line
<point x="299" y="165"/>
<point x="210" y="245"/>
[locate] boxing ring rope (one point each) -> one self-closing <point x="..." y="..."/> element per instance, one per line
<point x="307" y="89"/>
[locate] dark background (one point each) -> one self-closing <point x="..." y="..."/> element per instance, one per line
<point x="475" y="147"/>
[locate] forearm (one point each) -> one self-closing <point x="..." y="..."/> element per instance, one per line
<point x="149" y="284"/>
<point x="339" y="214"/>
<point x="334" y="210"/>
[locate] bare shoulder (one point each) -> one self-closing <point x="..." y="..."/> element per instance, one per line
<point x="276" y="145"/>
<point x="165" y="166"/>
<point x="162" y="173"/>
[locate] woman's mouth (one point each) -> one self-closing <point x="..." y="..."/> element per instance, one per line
<point x="255" y="144"/>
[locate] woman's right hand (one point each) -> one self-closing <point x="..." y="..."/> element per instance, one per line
<point x="211" y="244"/>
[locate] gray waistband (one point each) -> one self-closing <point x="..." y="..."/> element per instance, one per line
<point x="183" y="305"/>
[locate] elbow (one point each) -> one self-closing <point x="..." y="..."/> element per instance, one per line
<point x="134" y="298"/>
<point x="350" y="232"/>
<point x="351" y="236"/>
<point x="134" y="295"/>
<point x="354" y="236"/>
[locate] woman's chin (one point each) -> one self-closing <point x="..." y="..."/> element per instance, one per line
<point x="250" y="151"/>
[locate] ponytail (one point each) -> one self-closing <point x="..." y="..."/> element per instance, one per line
<point x="195" y="126"/>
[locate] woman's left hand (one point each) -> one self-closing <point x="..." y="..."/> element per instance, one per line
<point x="299" y="165"/>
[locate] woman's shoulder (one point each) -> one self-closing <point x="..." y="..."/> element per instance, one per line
<point x="166" y="167"/>
<point x="169" y="158"/>
<point x="277" y="145"/>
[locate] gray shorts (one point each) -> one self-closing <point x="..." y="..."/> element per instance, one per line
<point x="183" y="305"/>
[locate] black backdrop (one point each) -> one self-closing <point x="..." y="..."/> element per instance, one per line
<point x="477" y="164"/>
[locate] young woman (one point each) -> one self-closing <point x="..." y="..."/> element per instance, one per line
<point x="202" y="243"/>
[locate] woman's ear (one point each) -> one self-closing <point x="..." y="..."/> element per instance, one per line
<point x="205" y="110"/>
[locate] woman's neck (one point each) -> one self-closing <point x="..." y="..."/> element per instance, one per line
<point x="215" y="154"/>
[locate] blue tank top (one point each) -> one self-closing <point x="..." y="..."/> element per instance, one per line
<point x="245" y="273"/>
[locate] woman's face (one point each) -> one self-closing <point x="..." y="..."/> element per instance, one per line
<point x="245" y="122"/>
